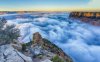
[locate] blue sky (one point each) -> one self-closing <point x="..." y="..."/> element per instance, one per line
<point x="49" y="4"/>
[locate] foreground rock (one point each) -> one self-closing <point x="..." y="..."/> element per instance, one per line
<point x="42" y="49"/>
<point x="9" y="54"/>
<point x="38" y="50"/>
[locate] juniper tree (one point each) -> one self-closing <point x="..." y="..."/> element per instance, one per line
<point x="7" y="32"/>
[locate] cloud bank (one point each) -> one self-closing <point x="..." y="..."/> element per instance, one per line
<point x="79" y="40"/>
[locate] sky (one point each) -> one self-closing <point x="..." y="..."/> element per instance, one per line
<point x="49" y="5"/>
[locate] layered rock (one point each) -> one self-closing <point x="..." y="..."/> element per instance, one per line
<point x="37" y="39"/>
<point x="86" y="14"/>
<point x="88" y="17"/>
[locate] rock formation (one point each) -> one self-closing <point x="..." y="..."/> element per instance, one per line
<point x="9" y="54"/>
<point x="37" y="39"/>
<point x="86" y="14"/>
<point x="88" y="17"/>
<point x="38" y="50"/>
<point x="48" y="46"/>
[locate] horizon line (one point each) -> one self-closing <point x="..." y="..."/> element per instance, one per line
<point x="50" y="10"/>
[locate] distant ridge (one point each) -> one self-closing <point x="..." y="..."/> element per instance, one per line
<point x="89" y="17"/>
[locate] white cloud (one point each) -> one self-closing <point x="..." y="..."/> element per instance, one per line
<point x="95" y="3"/>
<point x="80" y="41"/>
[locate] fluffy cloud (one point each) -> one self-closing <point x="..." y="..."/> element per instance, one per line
<point x="79" y="40"/>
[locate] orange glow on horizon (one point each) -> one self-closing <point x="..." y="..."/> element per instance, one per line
<point x="54" y="9"/>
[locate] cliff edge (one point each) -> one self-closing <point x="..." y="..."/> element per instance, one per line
<point x="87" y="17"/>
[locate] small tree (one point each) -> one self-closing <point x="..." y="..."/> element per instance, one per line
<point x="57" y="59"/>
<point x="7" y="32"/>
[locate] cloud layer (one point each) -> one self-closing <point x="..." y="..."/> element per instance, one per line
<point x="79" y="40"/>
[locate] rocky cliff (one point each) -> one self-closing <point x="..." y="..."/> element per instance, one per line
<point x="37" y="50"/>
<point x="88" y="17"/>
<point x="9" y="54"/>
<point x="48" y="50"/>
<point x="47" y="45"/>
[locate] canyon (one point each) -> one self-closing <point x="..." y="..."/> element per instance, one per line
<point x="88" y="17"/>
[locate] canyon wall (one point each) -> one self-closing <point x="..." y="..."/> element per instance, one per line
<point x="94" y="15"/>
<point x="88" y="17"/>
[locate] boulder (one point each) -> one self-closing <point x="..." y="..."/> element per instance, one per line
<point x="17" y="45"/>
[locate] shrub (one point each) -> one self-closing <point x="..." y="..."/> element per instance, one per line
<point x="24" y="47"/>
<point x="57" y="59"/>
<point x="7" y="32"/>
<point x="40" y="56"/>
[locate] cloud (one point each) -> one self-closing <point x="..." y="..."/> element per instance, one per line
<point x="94" y="3"/>
<point x="79" y="40"/>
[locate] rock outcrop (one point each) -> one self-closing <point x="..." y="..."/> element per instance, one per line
<point x="9" y="54"/>
<point x="46" y="45"/>
<point x="88" y="17"/>
<point x="38" y="50"/>
<point x="37" y="39"/>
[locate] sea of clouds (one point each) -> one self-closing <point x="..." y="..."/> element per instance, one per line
<point x="79" y="40"/>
